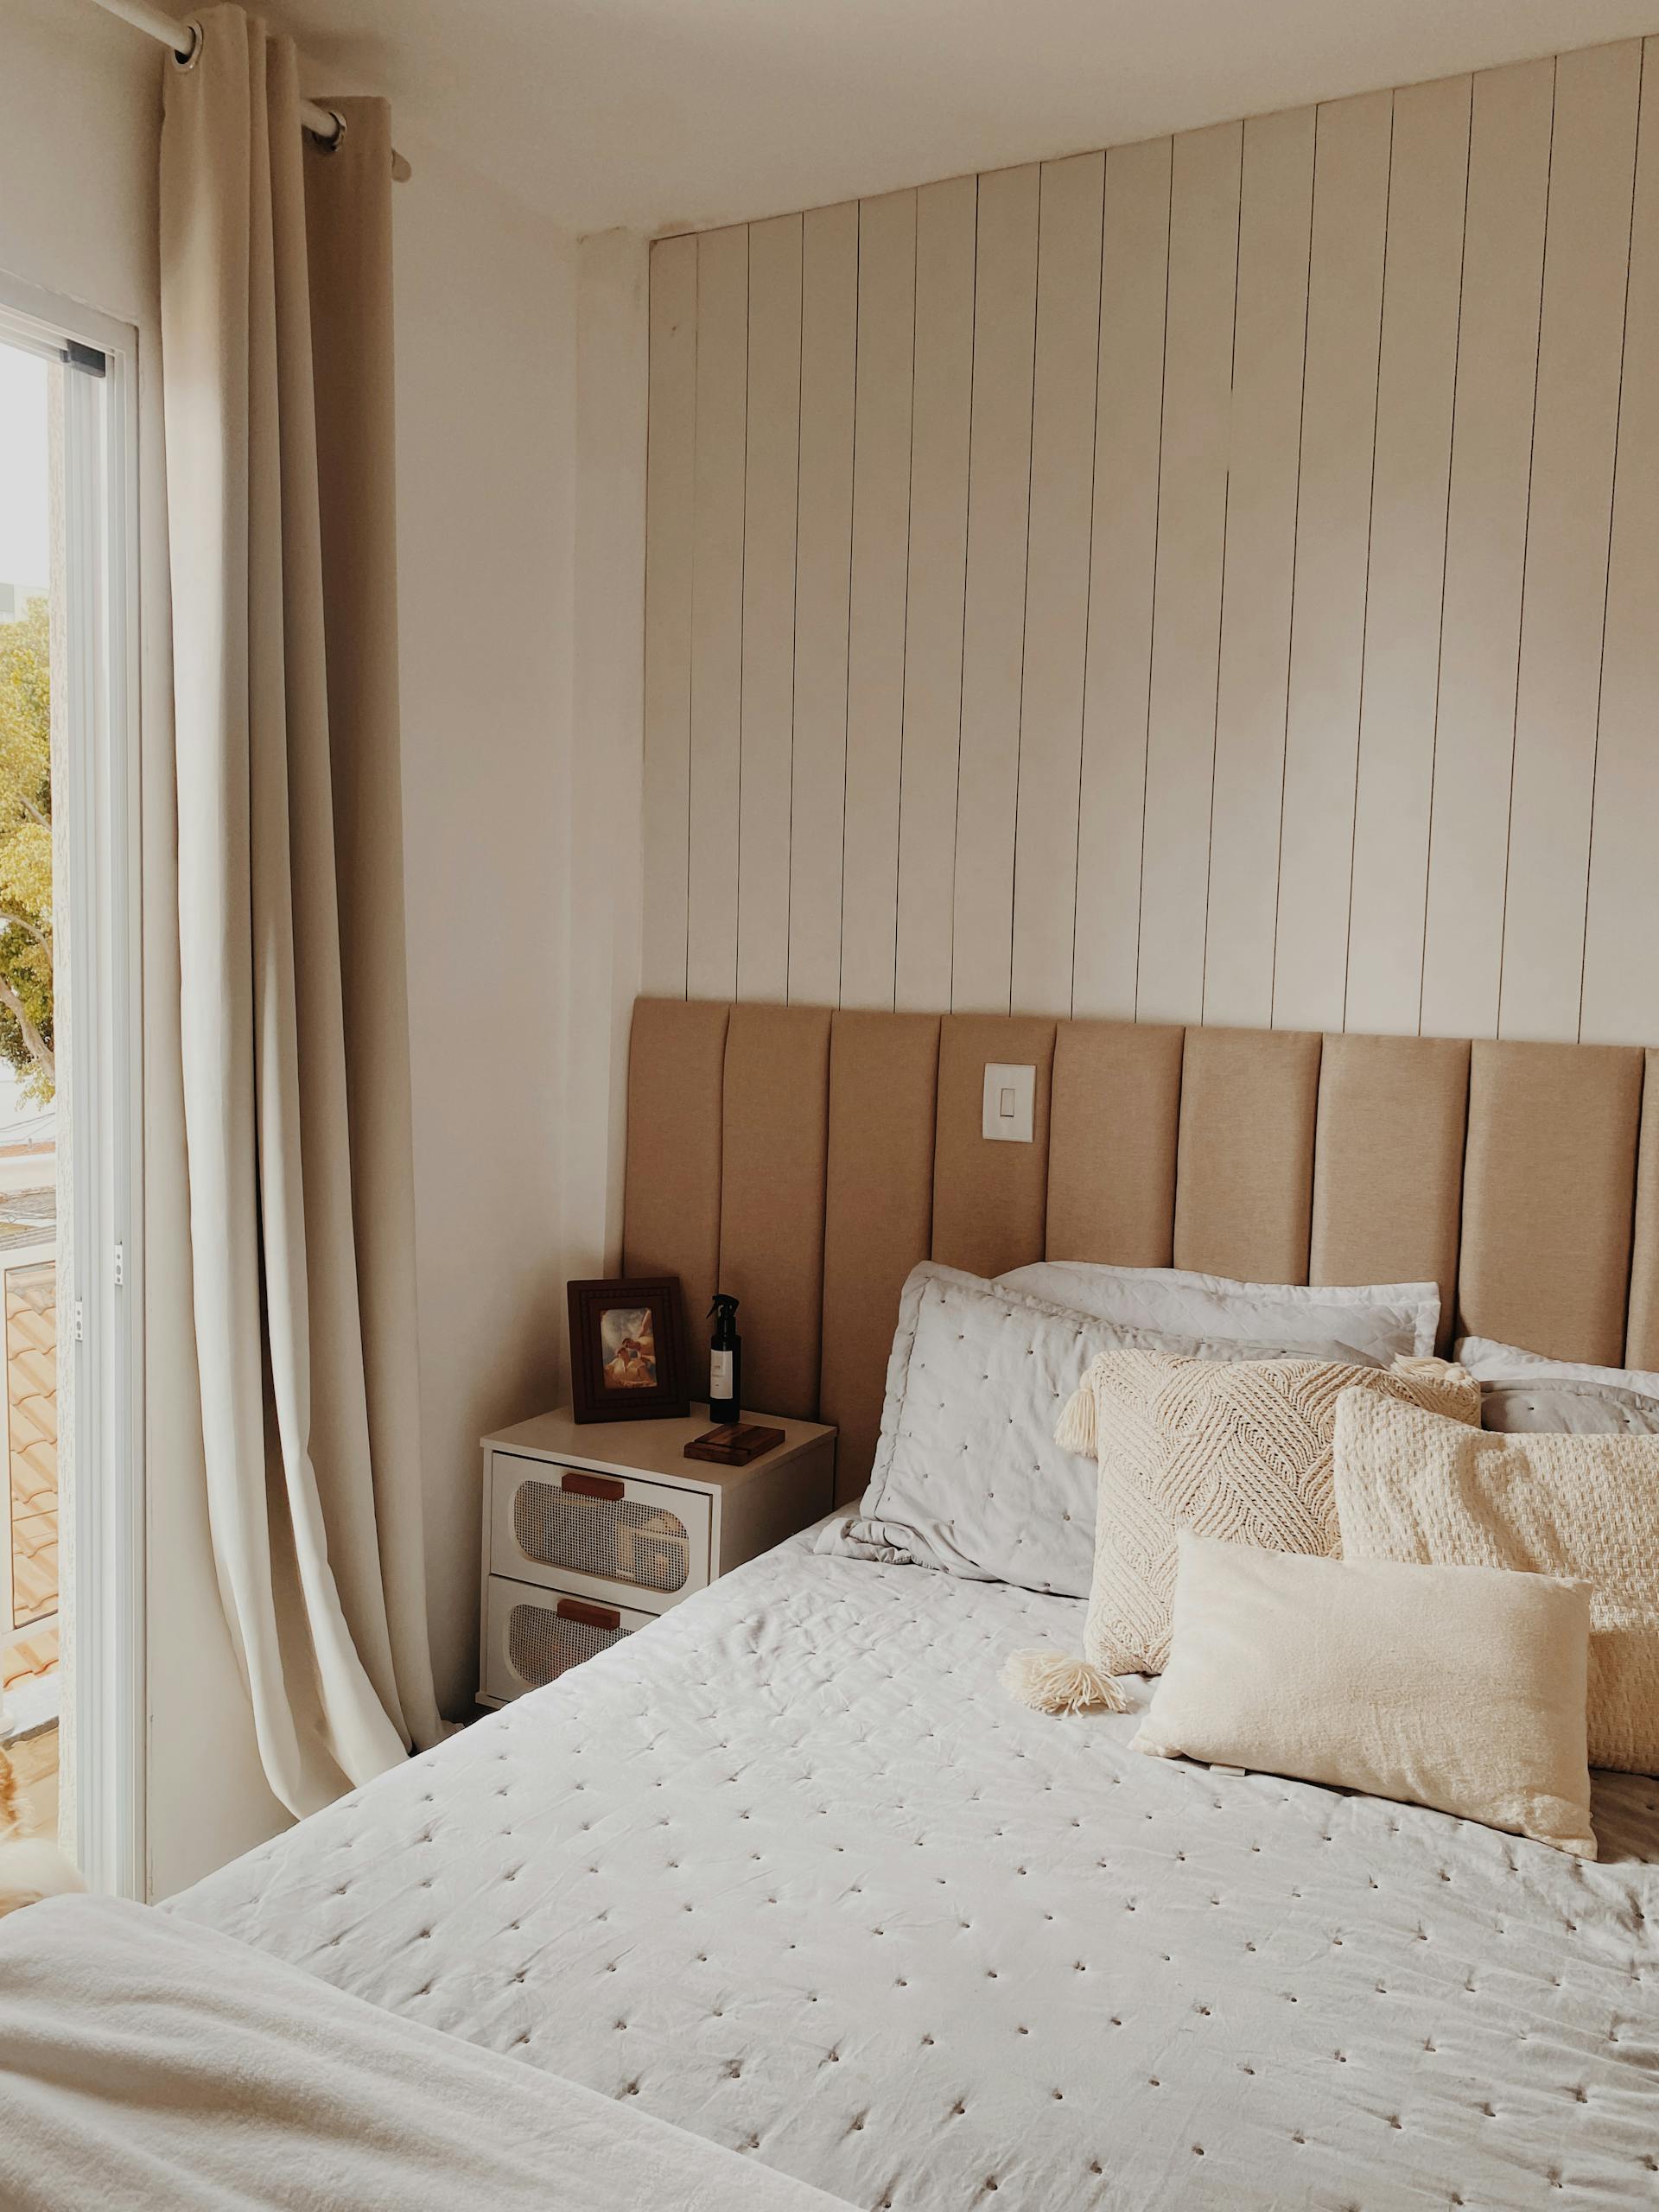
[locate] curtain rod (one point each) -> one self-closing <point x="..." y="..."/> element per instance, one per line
<point x="184" y="38"/>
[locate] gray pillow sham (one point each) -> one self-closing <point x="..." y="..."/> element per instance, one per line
<point x="1551" y="1408"/>
<point x="968" y="1479"/>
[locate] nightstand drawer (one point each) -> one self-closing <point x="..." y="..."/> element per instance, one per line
<point x="533" y="1635"/>
<point x="618" y="1538"/>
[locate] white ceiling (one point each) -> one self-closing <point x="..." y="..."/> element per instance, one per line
<point x="668" y="114"/>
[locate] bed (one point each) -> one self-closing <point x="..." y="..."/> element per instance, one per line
<point x="790" y="1871"/>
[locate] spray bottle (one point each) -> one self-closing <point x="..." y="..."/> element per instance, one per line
<point x="725" y="1361"/>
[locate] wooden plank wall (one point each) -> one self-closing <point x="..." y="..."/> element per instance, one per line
<point x="1209" y="581"/>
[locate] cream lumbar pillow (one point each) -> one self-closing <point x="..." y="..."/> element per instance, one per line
<point x="1411" y="1487"/>
<point x="1241" y="1452"/>
<point x="1459" y="1688"/>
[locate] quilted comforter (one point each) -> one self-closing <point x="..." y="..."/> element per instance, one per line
<point x="790" y="1870"/>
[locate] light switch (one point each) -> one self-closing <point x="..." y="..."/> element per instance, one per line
<point x="1010" y="1101"/>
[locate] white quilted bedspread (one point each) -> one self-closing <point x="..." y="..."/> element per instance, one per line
<point x="791" y="1869"/>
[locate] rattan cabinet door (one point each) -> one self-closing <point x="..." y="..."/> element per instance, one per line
<point x="619" y="1538"/>
<point x="533" y="1635"/>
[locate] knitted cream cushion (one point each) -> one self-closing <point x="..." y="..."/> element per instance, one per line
<point x="1410" y="1487"/>
<point x="1240" y="1451"/>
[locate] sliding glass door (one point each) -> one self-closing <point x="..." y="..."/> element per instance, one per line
<point x="71" y="1565"/>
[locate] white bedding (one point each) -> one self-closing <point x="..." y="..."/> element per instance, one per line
<point x="791" y="1870"/>
<point x="150" y="2065"/>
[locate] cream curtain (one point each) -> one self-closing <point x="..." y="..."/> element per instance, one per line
<point x="277" y="391"/>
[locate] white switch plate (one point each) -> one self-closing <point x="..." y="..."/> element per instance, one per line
<point x="1010" y="1101"/>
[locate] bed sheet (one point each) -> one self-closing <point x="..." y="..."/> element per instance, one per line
<point x="791" y="1869"/>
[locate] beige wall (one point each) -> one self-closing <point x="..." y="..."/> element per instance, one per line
<point x="601" y="840"/>
<point x="485" y="489"/>
<point x="521" y="545"/>
<point x="1212" y="580"/>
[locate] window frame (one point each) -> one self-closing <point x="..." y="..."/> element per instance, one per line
<point x="95" y="789"/>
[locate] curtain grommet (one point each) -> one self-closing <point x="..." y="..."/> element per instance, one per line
<point x="334" y="144"/>
<point x="189" y="60"/>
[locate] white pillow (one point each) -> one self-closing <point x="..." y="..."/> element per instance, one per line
<point x="1524" y="1394"/>
<point x="968" y="1477"/>
<point x="1494" y="1363"/>
<point x="1378" y="1319"/>
<point x="1462" y="1688"/>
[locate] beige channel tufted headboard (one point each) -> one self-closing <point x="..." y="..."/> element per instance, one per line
<point x="808" y="1159"/>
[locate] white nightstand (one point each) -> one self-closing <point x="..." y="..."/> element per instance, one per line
<point x="591" y="1529"/>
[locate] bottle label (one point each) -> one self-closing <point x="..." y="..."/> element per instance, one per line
<point x="720" y="1375"/>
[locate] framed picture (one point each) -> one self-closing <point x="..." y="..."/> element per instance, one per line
<point x="627" y="1350"/>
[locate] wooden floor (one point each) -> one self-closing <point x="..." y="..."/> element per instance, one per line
<point x="24" y="1664"/>
<point x="28" y="1525"/>
<point x="31" y="1362"/>
<point x="35" y="1762"/>
<point x="30" y="1658"/>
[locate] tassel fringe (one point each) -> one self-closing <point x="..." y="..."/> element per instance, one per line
<point x="1431" y="1369"/>
<point x="1052" y="1681"/>
<point x="1075" y="1429"/>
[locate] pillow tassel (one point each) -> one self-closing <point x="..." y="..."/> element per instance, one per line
<point x="1053" y="1681"/>
<point x="1431" y="1369"/>
<point x="1076" y="1431"/>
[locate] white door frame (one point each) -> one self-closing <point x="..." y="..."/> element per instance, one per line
<point x="100" y="1254"/>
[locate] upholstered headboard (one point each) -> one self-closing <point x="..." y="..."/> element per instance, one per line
<point x="808" y="1160"/>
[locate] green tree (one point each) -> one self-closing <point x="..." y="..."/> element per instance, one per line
<point x="26" y="850"/>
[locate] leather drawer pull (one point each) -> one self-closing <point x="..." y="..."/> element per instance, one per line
<point x="573" y="1609"/>
<point x="594" y="1486"/>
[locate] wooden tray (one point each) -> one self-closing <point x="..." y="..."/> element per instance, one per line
<point x="734" y="1444"/>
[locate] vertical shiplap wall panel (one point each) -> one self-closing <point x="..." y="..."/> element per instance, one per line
<point x="771" y="473"/>
<point x="672" y="436"/>
<point x="1621" y="976"/>
<point x="824" y="559"/>
<point x="1057" y="581"/>
<point x="1333" y="527"/>
<point x="876" y="655"/>
<point x="717" y="613"/>
<point x="1586" y="260"/>
<point x="1276" y="215"/>
<point x="998" y="510"/>
<point x="946" y="217"/>
<point x="1416" y="382"/>
<point x="1214" y="580"/>
<point x="1123" y="543"/>
<point x="1187" y="572"/>
<point x="1486" y="540"/>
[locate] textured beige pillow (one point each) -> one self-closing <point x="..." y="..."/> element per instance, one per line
<point x="1456" y="1687"/>
<point x="1411" y="1487"/>
<point x="1241" y="1451"/>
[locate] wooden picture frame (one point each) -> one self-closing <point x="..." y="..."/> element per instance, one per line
<point x="627" y="1350"/>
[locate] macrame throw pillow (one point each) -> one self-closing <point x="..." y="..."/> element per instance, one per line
<point x="1240" y="1452"/>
